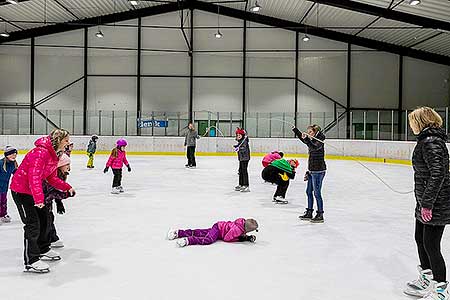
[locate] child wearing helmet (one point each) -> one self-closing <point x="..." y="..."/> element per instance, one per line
<point x="116" y="161"/>
<point x="279" y="172"/>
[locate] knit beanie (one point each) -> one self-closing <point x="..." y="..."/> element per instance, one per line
<point x="64" y="160"/>
<point x="250" y="225"/>
<point x="10" y="150"/>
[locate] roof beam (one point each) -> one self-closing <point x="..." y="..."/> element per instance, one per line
<point x="78" y="24"/>
<point x="386" y="13"/>
<point x="321" y="32"/>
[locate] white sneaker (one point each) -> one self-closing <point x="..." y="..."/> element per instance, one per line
<point x="439" y="292"/>
<point x="172" y="234"/>
<point x="57" y="244"/>
<point x="182" y="242"/>
<point x="5" y="219"/>
<point x="121" y="189"/>
<point x="421" y="286"/>
<point x="51" y="255"/>
<point x="38" y="267"/>
<point x="115" y="190"/>
<point x="245" y="189"/>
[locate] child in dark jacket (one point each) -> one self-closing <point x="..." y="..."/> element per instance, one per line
<point x="91" y="149"/>
<point x="228" y="231"/>
<point x="243" y="150"/>
<point x="8" y="166"/>
<point x="279" y="172"/>
<point x="50" y="194"/>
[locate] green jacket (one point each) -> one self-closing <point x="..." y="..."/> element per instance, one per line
<point x="283" y="165"/>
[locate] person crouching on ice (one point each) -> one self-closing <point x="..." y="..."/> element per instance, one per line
<point x="270" y="157"/>
<point x="279" y="172"/>
<point x="227" y="231"/>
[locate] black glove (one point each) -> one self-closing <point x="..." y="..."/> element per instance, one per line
<point x="306" y="176"/>
<point x="70" y="195"/>
<point x="60" y="207"/>
<point x="129" y="168"/>
<point x="251" y="238"/>
<point x="247" y="238"/>
<point x="106" y="170"/>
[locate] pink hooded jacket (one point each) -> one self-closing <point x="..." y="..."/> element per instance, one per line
<point x="119" y="161"/>
<point x="38" y="165"/>
<point x="230" y="231"/>
<point x="269" y="158"/>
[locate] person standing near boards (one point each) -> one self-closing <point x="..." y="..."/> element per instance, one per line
<point x="190" y="141"/>
<point x="316" y="170"/>
<point x="430" y="162"/>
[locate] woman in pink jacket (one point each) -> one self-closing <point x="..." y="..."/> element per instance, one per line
<point x="228" y="231"/>
<point x="269" y="158"/>
<point x="26" y="186"/>
<point x="116" y="161"/>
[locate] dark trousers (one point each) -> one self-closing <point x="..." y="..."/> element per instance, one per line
<point x="191" y="156"/>
<point x="243" y="173"/>
<point x="53" y="236"/>
<point x="117" y="180"/>
<point x="274" y="177"/>
<point x="36" y="227"/>
<point x="428" y="240"/>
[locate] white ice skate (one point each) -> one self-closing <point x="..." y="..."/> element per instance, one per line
<point x="238" y="188"/>
<point x="280" y="200"/>
<point x="115" y="190"/>
<point x="172" y="234"/>
<point x="245" y="189"/>
<point x="182" y="242"/>
<point x="57" y="244"/>
<point x="5" y="219"/>
<point x="51" y="255"/>
<point x="421" y="286"/>
<point x="439" y="291"/>
<point x="121" y="189"/>
<point x="38" y="267"/>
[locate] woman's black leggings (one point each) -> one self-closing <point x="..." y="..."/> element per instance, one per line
<point x="428" y="240"/>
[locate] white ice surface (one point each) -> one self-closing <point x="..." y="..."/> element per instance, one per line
<point x="116" y="247"/>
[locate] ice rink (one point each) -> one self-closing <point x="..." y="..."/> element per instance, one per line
<point x="116" y="246"/>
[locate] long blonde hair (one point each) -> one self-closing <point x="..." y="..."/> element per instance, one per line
<point x="423" y="117"/>
<point x="5" y="161"/>
<point x="57" y="135"/>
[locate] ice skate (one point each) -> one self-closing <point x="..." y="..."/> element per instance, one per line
<point x="238" y="188"/>
<point x="307" y="216"/>
<point x="57" y="244"/>
<point x="280" y="200"/>
<point x="38" y="267"/>
<point x="5" y="219"/>
<point x="50" y="255"/>
<point x="115" y="190"/>
<point x="172" y="234"/>
<point x="121" y="190"/>
<point x="439" y="291"/>
<point x="420" y="286"/>
<point x="182" y="242"/>
<point x="245" y="189"/>
<point x="318" y="218"/>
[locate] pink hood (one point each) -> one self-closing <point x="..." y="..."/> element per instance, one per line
<point x="38" y="165"/>
<point x="119" y="161"/>
<point x="230" y="231"/>
<point x="269" y="158"/>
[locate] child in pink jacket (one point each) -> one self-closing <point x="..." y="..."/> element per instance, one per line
<point x="116" y="161"/>
<point x="269" y="158"/>
<point x="227" y="231"/>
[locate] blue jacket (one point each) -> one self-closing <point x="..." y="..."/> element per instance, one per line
<point x="5" y="176"/>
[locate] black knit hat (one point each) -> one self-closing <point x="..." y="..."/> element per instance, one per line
<point x="10" y="150"/>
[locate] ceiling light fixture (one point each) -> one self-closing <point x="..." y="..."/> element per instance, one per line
<point x="99" y="34"/>
<point x="5" y="34"/>
<point x="13" y="1"/>
<point x="218" y="34"/>
<point x="414" y="2"/>
<point x="305" y="38"/>
<point x="134" y="2"/>
<point x="256" y="7"/>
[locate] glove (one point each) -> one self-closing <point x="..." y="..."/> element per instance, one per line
<point x="60" y="207"/>
<point x="71" y="194"/>
<point x="427" y="214"/>
<point x="251" y="238"/>
<point x="106" y="170"/>
<point x="129" y="168"/>
<point x="305" y="178"/>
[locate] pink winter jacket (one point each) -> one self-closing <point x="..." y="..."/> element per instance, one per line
<point x="269" y="158"/>
<point x="117" y="162"/>
<point x="39" y="164"/>
<point x="230" y="231"/>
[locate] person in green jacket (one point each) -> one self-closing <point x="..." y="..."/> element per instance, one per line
<point x="279" y="172"/>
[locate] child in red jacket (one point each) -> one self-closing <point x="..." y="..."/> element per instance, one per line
<point x="228" y="231"/>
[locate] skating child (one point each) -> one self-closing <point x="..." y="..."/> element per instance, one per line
<point x="243" y="150"/>
<point x="269" y="158"/>
<point x="116" y="161"/>
<point x="190" y="141"/>
<point x="279" y="172"/>
<point x="50" y="194"/>
<point x="8" y="166"/>
<point x="68" y="150"/>
<point x="227" y="231"/>
<point x="91" y="149"/>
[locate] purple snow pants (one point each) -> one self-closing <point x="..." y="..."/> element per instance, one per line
<point x="200" y="236"/>
<point x="3" y="203"/>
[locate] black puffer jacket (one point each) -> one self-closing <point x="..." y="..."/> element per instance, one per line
<point x="243" y="149"/>
<point x="431" y="175"/>
<point x="316" y="150"/>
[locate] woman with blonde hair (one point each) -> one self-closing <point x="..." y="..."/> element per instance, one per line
<point x="431" y="187"/>
<point x="39" y="164"/>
